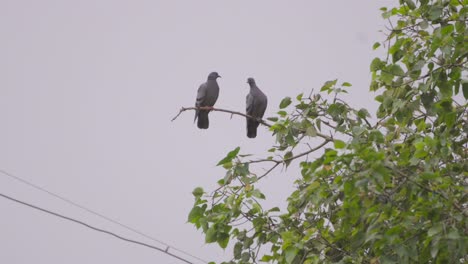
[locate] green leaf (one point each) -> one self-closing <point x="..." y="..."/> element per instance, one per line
<point x="358" y="130"/>
<point x="423" y="24"/>
<point x="318" y="123"/>
<point x="245" y="257"/>
<point x="290" y="139"/>
<point x="266" y="258"/>
<point x="339" y="144"/>
<point x="272" y="119"/>
<point x="450" y="119"/>
<point x="311" y="131"/>
<point x="387" y="77"/>
<point x="430" y="66"/>
<point x="396" y="46"/>
<point x="376" y="45"/>
<point x="397" y="55"/>
<point x="287" y="157"/>
<point x="210" y="235"/>
<point x="230" y="156"/>
<point x="453" y="234"/>
<point x="348" y="188"/>
<point x="299" y="97"/>
<point x="237" y="250"/>
<point x="285" y="102"/>
<point x="256" y="193"/>
<point x="290" y="254"/>
<point x="195" y="214"/>
<point x="421" y="126"/>
<point x="395" y="69"/>
<point x="460" y="26"/>
<point x="274" y="209"/>
<point x="446" y="30"/>
<point x="346" y="84"/>
<point x="420" y="154"/>
<point x="434" y="230"/>
<point x="314" y="185"/>
<point x="223" y="239"/>
<point x="410" y="4"/>
<point x="363" y="113"/>
<point x="387" y="14"/>
<point x="376" y="64"/>
<point x="435" y="12"/>
<point x="282" y="113"/>
<point x="419" y="145"/>
<point x="379" y="98"/>
<point x="198" y="192"/>
<point x="418" y="65"/>
<point x="328" y="85"/>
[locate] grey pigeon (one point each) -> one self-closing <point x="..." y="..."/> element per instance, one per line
<point x="207" y="95"/>
<point x="256" y="106"/>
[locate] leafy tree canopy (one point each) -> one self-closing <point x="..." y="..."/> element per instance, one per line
<point x="388" y="189"/>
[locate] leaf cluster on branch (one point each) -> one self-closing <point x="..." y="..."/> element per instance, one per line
<point x="392" y="190"/>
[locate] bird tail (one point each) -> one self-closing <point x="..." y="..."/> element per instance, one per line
<point x="203" y="121"/>
<point x="252" y="128"/>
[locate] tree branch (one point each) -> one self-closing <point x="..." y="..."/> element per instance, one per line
<point x="209" y="108"/>
<point x="309" y="151"/>
<point x="268" y="171"/>
<point x="261" y="121"/>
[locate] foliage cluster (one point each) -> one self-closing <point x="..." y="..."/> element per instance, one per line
<point x="389" y="189"/>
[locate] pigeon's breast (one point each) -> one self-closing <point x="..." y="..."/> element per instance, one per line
<point x="212" y="94"/>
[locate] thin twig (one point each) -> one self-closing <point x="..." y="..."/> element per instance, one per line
<point x="294" y="157"/>
<point x="309" y="151"/>
<point x="268" y="171"/>
<point x="334" y="127"/>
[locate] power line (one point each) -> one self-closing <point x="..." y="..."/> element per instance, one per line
<point x="95" y="228"/>
<point x="97" y="214"/>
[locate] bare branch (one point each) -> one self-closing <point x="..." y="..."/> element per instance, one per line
<point x="183" y="109"/>
<point x="268" y="171"/>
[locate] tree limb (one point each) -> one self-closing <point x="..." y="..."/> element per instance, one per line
<point x="209" y="108"/>
<point x="261" y="121"/>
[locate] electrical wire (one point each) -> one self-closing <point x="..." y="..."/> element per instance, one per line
<point x="94" y="228"/>
<point x="97" y="214"/>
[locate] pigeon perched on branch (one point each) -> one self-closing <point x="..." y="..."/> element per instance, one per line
<point x="207" y="95"/>
<point x="255" y="107"/>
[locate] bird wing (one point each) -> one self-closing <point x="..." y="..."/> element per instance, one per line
<point x="262" y="105"/>
<point x="201" y="95"/>
<point x="250" y="104"/>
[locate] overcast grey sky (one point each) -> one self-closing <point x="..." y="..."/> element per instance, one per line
<point x="88" y="89"/>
